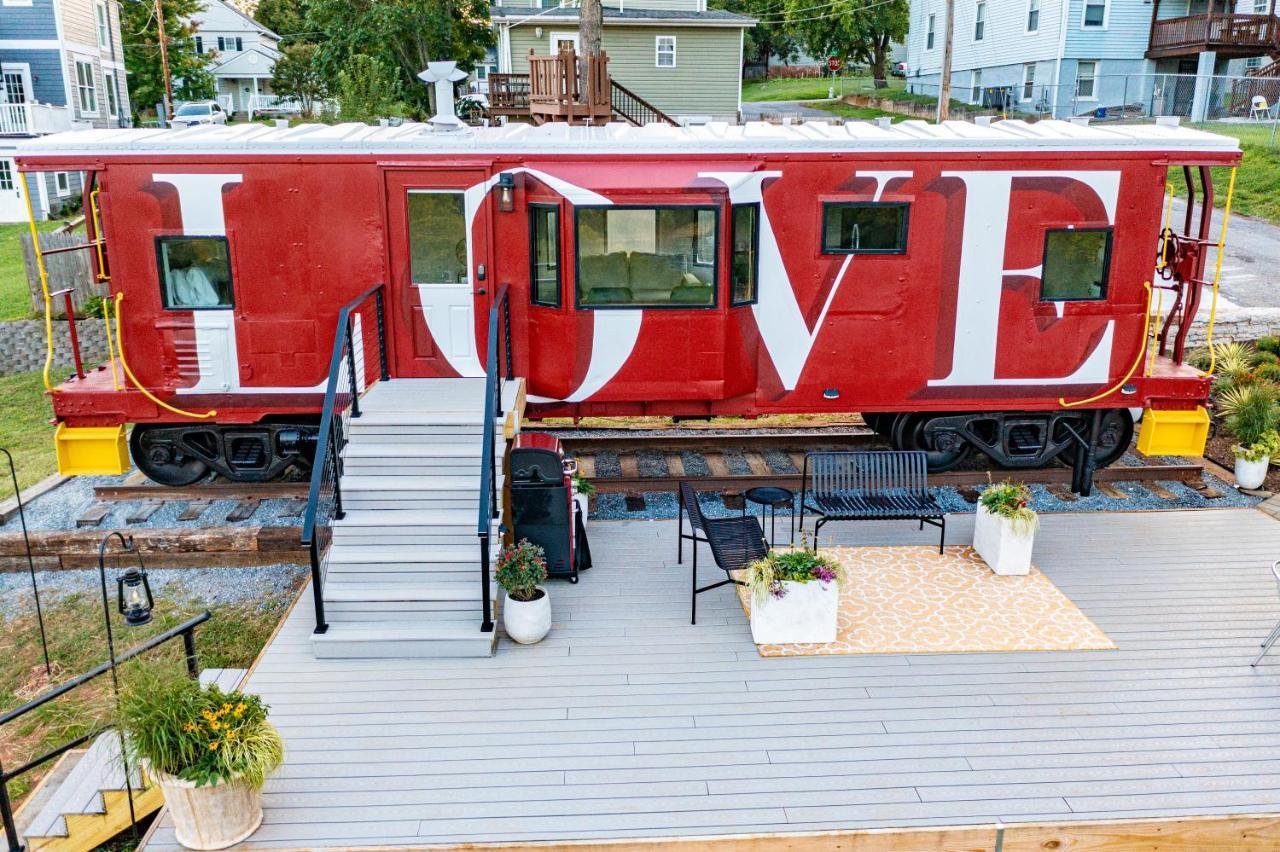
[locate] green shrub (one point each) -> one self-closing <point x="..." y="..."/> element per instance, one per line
<point x="1011" y="500"/>
<point x="1250" y="411"/>
<point x="1198" y="358"/>
<point x="1234" y="357"/>
<point x="1268" y="344"/>
<point x="1266" y="358"/>
<point x="1268" y="373"/>
<point x="521" y="569"/>
<point x="198" y="733"/>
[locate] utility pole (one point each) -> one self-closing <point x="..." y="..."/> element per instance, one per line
<point x="944" y="90"/>
<point x="164" y="60"/>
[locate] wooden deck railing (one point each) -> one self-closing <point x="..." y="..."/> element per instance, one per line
<point x="1228" y="34"/>
<point x="509" y="94"/>
<point x="556" y="90"/>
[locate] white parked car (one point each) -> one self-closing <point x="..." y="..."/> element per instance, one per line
<point x="199" y="112"/>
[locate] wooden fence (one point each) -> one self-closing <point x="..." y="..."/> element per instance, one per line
<point x="67" y="269"/>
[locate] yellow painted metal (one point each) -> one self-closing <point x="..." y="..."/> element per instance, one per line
<point x="97" y="234"/>
<point x="44" y="281"/>
<point x="1137" y="362"/>
<point x="1217" y="272"/>
<point x="1174" y="433"/>
<point x="91" y="450"/>
<point x="111" y="348"/>
<point x="124" y="364"/>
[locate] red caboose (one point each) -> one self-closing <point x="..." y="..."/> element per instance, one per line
<point x="966" y="286"/>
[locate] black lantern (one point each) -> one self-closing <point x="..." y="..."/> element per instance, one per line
<point x="506" y="192"/>
<point x="134" y="600"/>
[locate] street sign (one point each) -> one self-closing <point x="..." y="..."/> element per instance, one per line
<point x="833" y="63"/>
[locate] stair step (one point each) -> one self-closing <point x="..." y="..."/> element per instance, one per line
<point x="99" y="769"/>
<point x="442" y="519"/>
<point x="423" y="450"/>
<point x="378" y="602"/>
<point x="390" y="553"/>
<point x="403" y="641"/>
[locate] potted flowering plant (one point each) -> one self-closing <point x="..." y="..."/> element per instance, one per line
<point x="209" y="750"/>
<point x="582" y="491"/>
<point x="522" y="569"/>
<point x="795" y="596"/>
<point x="1005" y="528"/>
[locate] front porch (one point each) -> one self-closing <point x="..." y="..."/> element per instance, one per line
<point x="628" y="722"/>
<point x="1229" y="35"/>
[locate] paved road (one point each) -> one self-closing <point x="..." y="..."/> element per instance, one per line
<point x="1251" y="264"/>
<point x="757" y="110"/>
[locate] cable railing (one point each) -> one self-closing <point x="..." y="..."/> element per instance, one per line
<point x="358" y="361"/>
<point x="496" y="371"/>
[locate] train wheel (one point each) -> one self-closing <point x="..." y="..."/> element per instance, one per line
<point x="1112" y="441"/>
<point x="943" y="451"/>
<point x="162" y="459"/>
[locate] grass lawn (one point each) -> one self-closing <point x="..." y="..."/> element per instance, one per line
<point x="812" y="88"/>
<point x="25" y="412"/>
<point x="844" y="110"/>
<point x="15" y="303"/>
<point x="1257" y="191"/>
<point x="77" y="642"/>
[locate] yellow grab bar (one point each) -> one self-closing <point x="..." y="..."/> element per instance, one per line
<point x="97" y="234"/>
<point x="137" y="384"/>
<point x="111" y="351"/>
<point x="1217" y="271"/>
<point x="1146" y="335"/>
<point x="44" y="282"/>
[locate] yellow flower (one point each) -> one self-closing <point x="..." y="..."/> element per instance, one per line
<point x="226" y="708"/>
<point x="190" y="727"/>
<point x="213" y="746"/>
<point x="213" y="726"/>
<point x="232" y="734"/>
<point x="240" y="708"/>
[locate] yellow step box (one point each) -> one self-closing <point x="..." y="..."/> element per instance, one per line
<point x="91" y="450"/>
<point x="1174" y="433"/>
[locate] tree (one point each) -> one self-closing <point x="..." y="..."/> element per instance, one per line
<point x="770" y="37"/>
<point x="368" y="90"/>
<point x="298" y="74"/>
<point x="591" y="27"/>
<point x="403" y="34"/>
<point x="286" y="18"/>
<point x="188" y="70"/>
<point x="857" y="32"/>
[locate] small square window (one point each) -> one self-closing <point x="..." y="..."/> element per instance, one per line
<point x="62" y="184"/>
<point x="1095" y="13"/>
<point x="864" y="227"/>
<point x="544" y="254"/>
<point x="1076" y="261"/>
<point x="195" y="272"/>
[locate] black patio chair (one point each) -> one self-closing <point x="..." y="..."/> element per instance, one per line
<point x="734" y="542"/>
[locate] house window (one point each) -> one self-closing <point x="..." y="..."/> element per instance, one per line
<point x="1253" y="62"/>
<point x="1095" y="13"/>
<point x="1075" y="264"/>
<point x="975" y="87"/>
<point x="928" y="36"/>
<point x="646" y="256"/>
<point x="199" y="44"/>
<point x="980" y="22"/>
<point x="85" y="90"/>
<point x="104" y="27"/>
<point x="544" y="254"/>
<point x="1086" y="79"/>
<point x="62" y="184"/>
<point x="666" y="51"/>
<point x="864" y="227"/>
<point x="1033" y="16"/>
<point x="745" y="239"/>
<point x="109" y="85"/>
<point x="15" y="88"/>
<point x="195" y="272"/>
<point x="15" y="2"/>
<point x="229" y="44"/>
<point x="1028" y="81"/>
<point x="6" y="176"/>
<point x="1261" y="7"/>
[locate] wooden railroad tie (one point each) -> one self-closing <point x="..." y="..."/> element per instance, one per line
<point x="94" y="515"/>
<point x="244" y="510"/>
<point x="142" y="511"/>
<point x="194" y="509"/>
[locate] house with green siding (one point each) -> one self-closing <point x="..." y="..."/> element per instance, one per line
<point x="678" y="55"/>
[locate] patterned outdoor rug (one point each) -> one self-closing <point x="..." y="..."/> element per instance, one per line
<point x="911" y="600"/>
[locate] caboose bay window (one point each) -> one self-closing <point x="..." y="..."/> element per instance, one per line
<point x="864" y="227"/>
<point x="195" y="272"/>
<point x="1075" y="265"/>
<point x="544" y="254"/>
<point x="646" y="256"/>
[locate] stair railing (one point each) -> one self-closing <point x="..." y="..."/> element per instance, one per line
<point x="634" y="109"/>
<point x="496" y="370"/>
<point x="354" y="367"/>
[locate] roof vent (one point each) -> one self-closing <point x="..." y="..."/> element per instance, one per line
<point x="443" y="75"/>
<point x="983" y="121"/>
<point x="1081" y="120"/>
<point x="883" y="122"/>
<point x="1168" y="120"/>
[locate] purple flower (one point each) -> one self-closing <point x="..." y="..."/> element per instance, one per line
<point x="778" y="590"/>
<point x="823" y="573"/>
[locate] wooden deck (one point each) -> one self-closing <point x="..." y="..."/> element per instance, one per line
<point x="628" y="722"/>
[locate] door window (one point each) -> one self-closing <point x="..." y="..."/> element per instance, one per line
<point x="1075" y="265"/>
<point x="745" y="237"/>
<point x="544" y="254"/>
<point x="15" y="88"/>
<point x="437" y="238"/>
<point x="195" y="272"/>
<point x="6" y="175"/>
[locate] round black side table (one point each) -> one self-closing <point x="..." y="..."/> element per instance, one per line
<point x="770" y="498"/>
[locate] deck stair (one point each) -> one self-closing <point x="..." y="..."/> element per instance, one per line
<point x="83" y="807"/>
<point x="402" y="572"/>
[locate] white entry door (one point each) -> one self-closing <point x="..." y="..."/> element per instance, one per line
<point x="12" y="207"/>
<point x="440" y="253"/>
<point x="564" y="41"/>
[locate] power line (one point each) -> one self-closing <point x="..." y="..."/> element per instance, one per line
<point x="788" y="20"/>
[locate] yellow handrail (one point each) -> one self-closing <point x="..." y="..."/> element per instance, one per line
<point x="111" y="352"/>
<point x="1155" y="331"/>
<point x="137" y="384"/>
<point x="1146" y="334"/>
<point x="44" y="282"/>
<point x="97" y="234"/>
<point x="1168" y="218"/>
<point x="1217" y="271"/>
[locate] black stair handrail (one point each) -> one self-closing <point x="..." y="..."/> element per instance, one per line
<point x="635" y="109"/>
<point x="326" y="469"/>
<point x="496" y="369"/>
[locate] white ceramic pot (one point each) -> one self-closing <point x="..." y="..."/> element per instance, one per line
<point x="806" y="613"/>
<point x="1005" y="550"/>
<point x="1251" y="474"/>
<point x="214" y="816"/>
<point x="527" y="622"/>
<point x="581" y="501"/>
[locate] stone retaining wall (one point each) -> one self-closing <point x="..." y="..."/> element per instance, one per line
<point x="22" y="344"/>
<point x="1238" y="324"/>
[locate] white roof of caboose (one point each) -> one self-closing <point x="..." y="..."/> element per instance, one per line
<point x="619" y="138"/>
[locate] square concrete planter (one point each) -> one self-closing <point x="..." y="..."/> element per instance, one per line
<point x="1005" y="550"/>
<point x="805" y="614"/>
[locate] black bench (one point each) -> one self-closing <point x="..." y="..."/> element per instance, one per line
<point x="734" y="542"/>
<point x="869" y="486"/>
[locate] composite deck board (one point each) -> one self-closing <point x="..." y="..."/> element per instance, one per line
<point x="628" y="721"/>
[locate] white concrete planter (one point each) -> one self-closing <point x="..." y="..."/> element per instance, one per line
<point x="582" y="501"/>
<point x="1004" y="549"/>
<point x="806" y="613"/>
<point x="1251" y="474"/>
<point x="214" y="816"/>
<point x="527" y="622"/>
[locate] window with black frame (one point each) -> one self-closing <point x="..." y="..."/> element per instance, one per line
<point x="195" y="272"/>
<point x="864" y="227"/>
<point x="745" y="239"/>
<point x="1076" y="261"/>
<point x="544" y="254"/>
<point x="660" y="257"/>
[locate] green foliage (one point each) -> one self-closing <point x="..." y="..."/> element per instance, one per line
<point x="521" y="569"/>
<point x="1268" y="344"/>
<point x="856" y="33"/>
<point x="1257" y="179"/>
<point x="188" y="70"/>
<point x="368" y="90"/>
<point x="800" y="565"/>
<point x="1198" y="358"/>
<point x="298" y="74"/>
<point x="283" y="17"/>
<point x="1250" y="411"/>
<point x="1267" y="445"/>
<point x="1268" y="373"/>
<point x="198" y="733"/>
<point x="1234" y="358"/>
<point x="1266" y="358"/>
<point x="1011" y="500"/>
<point x="584" y="486"/>
<point x="769" y="38"/>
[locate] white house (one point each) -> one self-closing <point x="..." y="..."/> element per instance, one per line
<point x="245" y="56"/>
